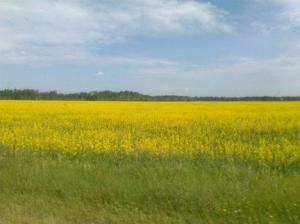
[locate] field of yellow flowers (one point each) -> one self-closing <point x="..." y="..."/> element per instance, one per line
<point x="262" y="131"/>
<point x="149" y="162"/>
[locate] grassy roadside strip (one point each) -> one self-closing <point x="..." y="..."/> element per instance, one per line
<point x="55" y="187"/>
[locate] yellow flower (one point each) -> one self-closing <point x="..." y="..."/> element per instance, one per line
<point x="262" y="131"/>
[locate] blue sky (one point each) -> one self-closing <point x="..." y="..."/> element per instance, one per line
<point x="184" y="47"/>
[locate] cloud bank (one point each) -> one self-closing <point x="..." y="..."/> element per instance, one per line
<point x="71" y="30"/>
<point x="229" y="77"/>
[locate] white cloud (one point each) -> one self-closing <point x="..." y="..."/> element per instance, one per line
<point x="65" y="30"/>
<point x="234" y="77"/>
<point x="99" y="73"/>
<point x="290" y="10"/>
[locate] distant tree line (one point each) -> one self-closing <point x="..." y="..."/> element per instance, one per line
<point x="29" y="94"/>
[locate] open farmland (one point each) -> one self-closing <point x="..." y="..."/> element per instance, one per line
<point x="149" y="162"/>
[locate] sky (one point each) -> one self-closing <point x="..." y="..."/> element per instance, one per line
<point x="157" y="47"/>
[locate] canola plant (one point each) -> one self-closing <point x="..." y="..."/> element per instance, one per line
<point x="262" y="131"/>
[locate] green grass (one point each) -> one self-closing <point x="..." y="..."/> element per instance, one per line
<point x="52" y="187"/>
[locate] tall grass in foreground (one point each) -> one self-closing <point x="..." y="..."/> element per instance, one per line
<point x="135" y="162"/>
<point x="51" y="187"/>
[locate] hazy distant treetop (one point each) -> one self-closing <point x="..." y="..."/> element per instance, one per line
<point x="29" y="94"/>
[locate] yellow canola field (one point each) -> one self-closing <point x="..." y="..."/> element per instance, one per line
<point x="265" y="131"/>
